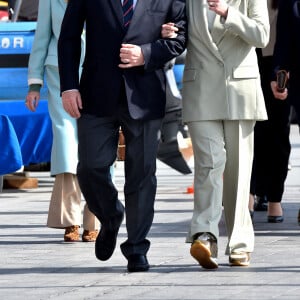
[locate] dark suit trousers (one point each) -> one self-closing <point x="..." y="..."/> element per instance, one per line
<point x="271" y="142"/>
<point x="98" y="142"/>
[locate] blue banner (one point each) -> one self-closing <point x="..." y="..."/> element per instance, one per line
<point x="16" y="38"/>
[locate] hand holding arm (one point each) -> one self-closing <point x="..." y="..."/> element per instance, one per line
<point x="72" y="103"/>
<point x="220" y="7"/>
<point x="169" y="30"/>
<point x="161" y="50"/>
<point x="278" y="95"/>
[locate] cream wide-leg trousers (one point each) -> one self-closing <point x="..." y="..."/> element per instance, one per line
<point x="223" y="153"/>
<point x="65" y="205"/>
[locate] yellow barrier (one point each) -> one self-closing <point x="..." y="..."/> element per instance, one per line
<point x="3" y="4"/>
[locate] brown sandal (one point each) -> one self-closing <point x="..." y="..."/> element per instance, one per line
<point x="71" y="234"/>
<point x="89" y="235"/>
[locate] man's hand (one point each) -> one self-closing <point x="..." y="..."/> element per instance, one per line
<point x="278" y="95"/>
<point x="131" y="56"/>
<point x="32" y="100"/>
<point x="72" y="103"/>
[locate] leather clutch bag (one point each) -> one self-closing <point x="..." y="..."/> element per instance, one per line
<point x="282" y="79"/>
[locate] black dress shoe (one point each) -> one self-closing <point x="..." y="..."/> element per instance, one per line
<point x="275" y="219"/>
<point x="105" y="243"/>
<point x="137" y="263"/>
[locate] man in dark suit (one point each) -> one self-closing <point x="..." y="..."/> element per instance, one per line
<point x="122" y="84"/>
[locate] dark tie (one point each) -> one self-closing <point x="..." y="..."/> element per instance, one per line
<point x="127" y="12"/>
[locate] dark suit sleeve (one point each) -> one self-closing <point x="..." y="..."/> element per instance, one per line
<point x="70" y="38"/>
<point x="284" y="36"/>
<point x="156" y="54"/>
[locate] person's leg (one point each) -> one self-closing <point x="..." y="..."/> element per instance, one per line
<point x="98" y="139"/>
<point x="90" y="222"/>
<point x="239" y="153"/>
<point x="142" y="139"/>
<point x="260" y="168"/>
<point x="64" y="208"/>
<point x="259" y="178"/>
<point x="210" y="157"/>
<point x="279" y="152"/>
<point x="90" y="225"/>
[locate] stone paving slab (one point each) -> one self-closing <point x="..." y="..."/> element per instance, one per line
<point x="36" y="264"/>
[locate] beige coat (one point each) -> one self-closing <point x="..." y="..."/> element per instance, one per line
<point x="221" y="77"/>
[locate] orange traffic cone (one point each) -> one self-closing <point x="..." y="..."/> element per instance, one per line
<point x="190" y="189"/>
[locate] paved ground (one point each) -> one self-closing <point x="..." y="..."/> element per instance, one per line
<point x="36" y="264"/>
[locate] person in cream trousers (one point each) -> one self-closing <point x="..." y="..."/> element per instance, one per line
<point x="65" y="204"/>
<point x="222" y="99"/>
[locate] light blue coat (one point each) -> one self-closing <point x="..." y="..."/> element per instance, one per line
<point x="43" y="61"/>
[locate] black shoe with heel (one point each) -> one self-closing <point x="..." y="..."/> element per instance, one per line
<point x="275" y="219"/>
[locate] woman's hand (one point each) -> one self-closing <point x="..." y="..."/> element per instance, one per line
<point x="220" y="7"/>
<point x="169" y="30"/>
<point x="278" y="95"/>
<point x="32" y="100"/>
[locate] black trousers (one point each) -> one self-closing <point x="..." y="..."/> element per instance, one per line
<point x="271" y="141"/>
<point x="98" y="142"/>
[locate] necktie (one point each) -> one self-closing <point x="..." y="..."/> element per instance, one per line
<point x="127" y="12"/>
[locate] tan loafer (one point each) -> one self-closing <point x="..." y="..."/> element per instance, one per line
<point x="240" y="259"/>
<point x="205" y="250"/>
<point x="71" y="234"/>
<point x="89" y="235"/>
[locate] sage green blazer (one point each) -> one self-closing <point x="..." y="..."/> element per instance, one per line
<point x="221" y="78"/>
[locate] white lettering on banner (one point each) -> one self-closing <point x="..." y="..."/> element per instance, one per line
<point x="16" y="42"/>
<point x="5" y="42"/>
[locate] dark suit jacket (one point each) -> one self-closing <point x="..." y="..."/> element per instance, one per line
<point x="287" y="46"/>
<point x="102" y="79"/>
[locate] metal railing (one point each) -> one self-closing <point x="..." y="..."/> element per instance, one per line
<point x="16" y="10"/>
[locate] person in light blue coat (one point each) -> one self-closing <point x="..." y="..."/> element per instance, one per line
<point x="65" y="205"/>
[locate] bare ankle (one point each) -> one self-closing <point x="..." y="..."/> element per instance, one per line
<point x="274" y="209"/>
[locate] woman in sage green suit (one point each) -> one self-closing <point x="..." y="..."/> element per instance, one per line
<point x="222" y="99"/>
<point x="64" y="209"/>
